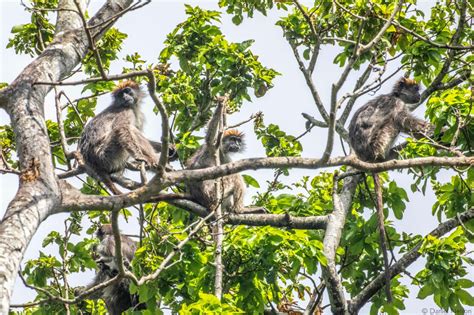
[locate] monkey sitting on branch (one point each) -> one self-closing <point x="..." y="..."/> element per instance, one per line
<point x="373" y="131"/>
<point x="117" y="296"/>
<point x="216" y="150"/>
<point x="115" y="135"/>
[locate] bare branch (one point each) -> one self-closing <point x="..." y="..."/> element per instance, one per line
<point x="165" y="127"/>
<point x="67" y="17"/>
<point x="342" y="203"/>
<point x="310" y="83"/>
<point x="116" y="77"/>
<point x="122" y="272"/>
<point x="427" y="40"/>
<point x="219" y="241"/>
<point x="62" y="133"/>
<point x="378" y="37"/>
<point x="348" y="11"/>
<point x="309" y="163"/>
<point x="316" y="36"/>
<point x="51" y="297"/>
<point x="252" y="117"/>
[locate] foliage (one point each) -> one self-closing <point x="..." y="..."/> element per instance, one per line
<point x="266" y="265"/>
<point x="209" y="66"/>
<point x="443" y="275"/>
<point x="32" y="38"/>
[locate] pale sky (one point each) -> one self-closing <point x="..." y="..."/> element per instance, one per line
<point x="282" y="105"/>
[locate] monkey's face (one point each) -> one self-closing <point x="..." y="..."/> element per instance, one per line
<point x="128" y="96"/>
<point x="410" y="94"/>
<point x="232" y="144"/>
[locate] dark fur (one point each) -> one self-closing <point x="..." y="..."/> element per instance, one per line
<point x="115" y="135"/>
<point x="375" y="126"/>
<point x="233" y="185"/>
<point x="372" y="132"/>
<point x="117" y="297"/>
<point x="204" y="192"/>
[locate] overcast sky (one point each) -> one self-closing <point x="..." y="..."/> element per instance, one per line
<point x="283" y="105"/>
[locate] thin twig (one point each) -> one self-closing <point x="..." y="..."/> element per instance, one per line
<point x="92" y="45"/>
<point x="175" y="250"/>
<point x="62" y="133"/>
<point x="116" y="77"/>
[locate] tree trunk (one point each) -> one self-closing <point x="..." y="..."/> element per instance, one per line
<point x="39" y="192"/>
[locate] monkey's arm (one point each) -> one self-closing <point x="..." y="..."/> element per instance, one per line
<point x="172" y="152"/>
<point x="416" y="127"/>
<point x="100" y="277"/>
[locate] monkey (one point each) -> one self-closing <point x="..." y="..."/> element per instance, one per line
<point x="216" y="150"/>
<point x="117" y="296"/>
<point x="373" y="131"/>
<point x="115" y="135"/>
<point x="376" y="125"/>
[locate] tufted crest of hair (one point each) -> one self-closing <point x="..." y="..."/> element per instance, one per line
<point x="128" y="83"/>
<point x="233" y="132"/>
<point x="403" y="83"/>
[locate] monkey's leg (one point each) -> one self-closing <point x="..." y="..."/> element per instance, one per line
<point x="110" y="184"/>
<point x="383" y="239"/>
<point x="137" y="145"/>
<point x="125" y="182"/>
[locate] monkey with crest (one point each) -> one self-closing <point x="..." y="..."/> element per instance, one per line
<point x="216" y="150"/>
<point x="115" y="135"/>
<point x="373" y="131"/>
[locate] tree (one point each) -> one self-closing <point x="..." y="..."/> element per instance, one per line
<point x="323" y="238"/>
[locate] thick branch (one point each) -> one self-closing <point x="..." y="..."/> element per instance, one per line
<point x="342" y="203"/>
<point x="309" y="163"/>
<point x="74" y="200"/>
<point x="39" y="192"/>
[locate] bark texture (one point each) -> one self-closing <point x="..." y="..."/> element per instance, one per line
<point x="39" y="192"/>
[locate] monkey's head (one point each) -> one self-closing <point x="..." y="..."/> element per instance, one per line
<point x="233" y="141"/>
<point x="103" y="230"/>
<point x="127" y="94"/>
<point x="407" y="90"/>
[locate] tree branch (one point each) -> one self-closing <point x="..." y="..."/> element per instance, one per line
<point x="342" y="203"/>
<point x="39" y="193"/>
<point x="309" y="163"/>
<point x="165" y="127"/>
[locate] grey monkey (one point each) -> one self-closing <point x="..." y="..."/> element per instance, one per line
<point x="216" y="150"/>
<point x="117" y="296"/>
<point x="115" y="135"/>
<point x="373" y="131"/>
<point x="376" y="125"/>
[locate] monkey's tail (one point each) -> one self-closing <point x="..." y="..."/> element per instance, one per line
<point x="383" y="238"/>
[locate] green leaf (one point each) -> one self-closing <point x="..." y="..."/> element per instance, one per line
<point x="465" y="283"/>
<point x="465" y="297"/>
<point x="250" y="181"/>
<point x="425" y="291"/>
